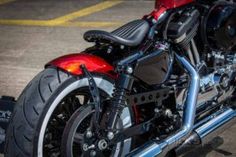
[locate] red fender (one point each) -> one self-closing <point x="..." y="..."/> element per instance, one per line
<point x="71" y="63"/>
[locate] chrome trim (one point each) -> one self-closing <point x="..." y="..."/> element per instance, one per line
<point x="216" y="125"/>
<point x="162" y="17"/>
<point x="161" y="149"/>
<point x="181" y="38"/>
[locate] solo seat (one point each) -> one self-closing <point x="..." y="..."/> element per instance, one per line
<point x="131" y="34"/>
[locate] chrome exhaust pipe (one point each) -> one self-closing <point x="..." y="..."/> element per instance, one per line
<point x="207" y="129"/>
<point x="160" y="149"/>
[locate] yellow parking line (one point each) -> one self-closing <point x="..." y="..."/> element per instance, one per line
<point x="5" y="1"/>
<point x="94" y="24"/>
<point x="64" y="20"/>
<point x="87" y="11"/>
<point x="25" y="22"/>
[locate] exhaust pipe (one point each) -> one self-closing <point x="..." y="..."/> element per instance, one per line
<point x="207" y="129"/>
<point x="160" y="149"/>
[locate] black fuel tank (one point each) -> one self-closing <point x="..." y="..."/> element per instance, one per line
<point x="154" y="68"/>
<point x="221" y="26"/>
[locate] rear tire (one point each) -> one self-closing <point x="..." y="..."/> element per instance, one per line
<point x="36" y="104"/>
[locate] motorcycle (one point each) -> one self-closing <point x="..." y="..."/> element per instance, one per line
<point x="158" y="86"/>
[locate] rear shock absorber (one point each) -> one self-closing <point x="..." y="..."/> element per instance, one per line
<point x="122" y="86"/>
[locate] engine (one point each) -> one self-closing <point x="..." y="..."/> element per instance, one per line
<point x="221" y="26"/>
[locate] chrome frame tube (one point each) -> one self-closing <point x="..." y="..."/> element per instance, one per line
<point x="154" y="148"/>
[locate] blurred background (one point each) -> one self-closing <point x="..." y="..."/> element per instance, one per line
<point x="33" y="32"/>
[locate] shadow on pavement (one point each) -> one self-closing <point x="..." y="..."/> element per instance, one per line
<point x="206" y="149"/>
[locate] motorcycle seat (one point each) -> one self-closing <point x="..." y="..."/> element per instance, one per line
<point x="131" y="34"/>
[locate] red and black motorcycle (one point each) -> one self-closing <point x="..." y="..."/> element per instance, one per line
<point x="157" y="86"/>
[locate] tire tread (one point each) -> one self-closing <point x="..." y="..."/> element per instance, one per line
<point x="26" y="115"/>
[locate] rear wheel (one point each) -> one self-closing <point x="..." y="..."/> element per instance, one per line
<point x="53" y="114"/>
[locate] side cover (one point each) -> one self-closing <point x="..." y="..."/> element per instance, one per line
<point x="154" y="68"/>
<point x="71" y="63"/>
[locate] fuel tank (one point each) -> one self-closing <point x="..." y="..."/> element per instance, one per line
<point x="171" y="4"/>
<point x="221" y="26"/>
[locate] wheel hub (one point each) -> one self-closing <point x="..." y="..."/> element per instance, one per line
<point x="90" y="141"/>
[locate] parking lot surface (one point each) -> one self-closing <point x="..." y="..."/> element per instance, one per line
<point x="33" y="32"/>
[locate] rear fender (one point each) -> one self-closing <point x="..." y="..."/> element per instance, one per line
<point x="71" y="63"/>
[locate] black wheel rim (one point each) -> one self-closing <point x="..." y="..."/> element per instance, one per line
<point x="59" y="118"/>
<point x="56" y="126"/>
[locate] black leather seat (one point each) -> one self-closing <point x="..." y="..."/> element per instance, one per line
<point x="130" y="34"/>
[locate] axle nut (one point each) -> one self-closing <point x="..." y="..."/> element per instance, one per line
<point x="102" y="144"/>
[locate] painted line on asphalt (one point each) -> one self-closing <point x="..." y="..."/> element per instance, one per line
<point x="25" y="22"/>
<point x="94" y="24"/>
<point x="87" y="11"/>
<point x="6" y="1"/>
<point x="63" y="20"/>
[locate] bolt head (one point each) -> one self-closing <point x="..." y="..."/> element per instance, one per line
<point x="168" y="113"/>
<point x="156" y="110"/>
<point x="110" y="135"/>
<point x="93" y="153"/>
<point x="129" y="70"/>
<point x="85" y="147"/>
<point x="89" y="134"/>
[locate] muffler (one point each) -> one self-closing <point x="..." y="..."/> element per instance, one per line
<point x="160" y="149"/>
<point x="207" y="129"/>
